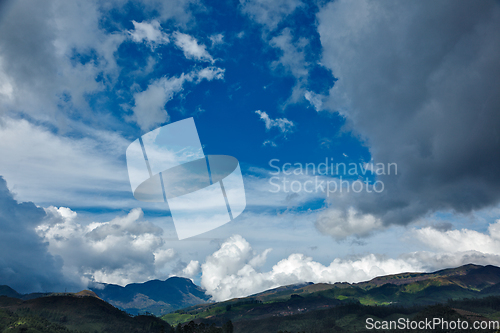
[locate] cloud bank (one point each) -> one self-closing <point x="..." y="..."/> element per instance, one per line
<point x="234" y="269"/>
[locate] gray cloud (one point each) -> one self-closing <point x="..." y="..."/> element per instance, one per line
<point x="419" y="82"/>
<point x="25" y="263"/>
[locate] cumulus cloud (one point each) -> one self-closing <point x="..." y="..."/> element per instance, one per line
<point x="164" y="256"/>
<point x="191" y="269"/>
<point x="192" y="50"/>
<point x="224" y="272"/>
<point x="233" y="270"/>
<point x="25" y="262"/>
<point x="284" y="125"/>
<point x="418" y="83"/>
<point x="149" y="33"/>
<point x="124" y="250"/>
<point x="461" y="240"/>
<point x="149" y="109"/>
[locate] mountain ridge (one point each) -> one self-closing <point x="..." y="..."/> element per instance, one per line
<point x="403" y="290"/>
<point x="160" y="297"/>
<point x="154" y="296"/>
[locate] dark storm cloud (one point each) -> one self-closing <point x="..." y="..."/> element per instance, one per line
<point x="419" y="82"/>
<point x="25" y="263"/>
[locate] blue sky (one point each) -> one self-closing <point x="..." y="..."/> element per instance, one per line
<point x="289" y="80"/>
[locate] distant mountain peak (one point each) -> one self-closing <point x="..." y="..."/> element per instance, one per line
<point x="8" y="291"/>
<point x="154" y="296"/>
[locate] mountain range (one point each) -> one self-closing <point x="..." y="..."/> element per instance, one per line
<point x="470" y="292"/>
<point x="301" y="306"/>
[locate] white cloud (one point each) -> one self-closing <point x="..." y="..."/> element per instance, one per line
<point x="149" y="33"/>
<point x="210" y="73"/>
<point x="232" y="270"/>
<point x="192" y="50"/>
<point x="124" y="250"/>
<point x="223" y="272"/>
<point x="164" y="256"/>
<point x="192" y="268"/>
<point x="284" y="125"/>
<point x="461" y="240"/>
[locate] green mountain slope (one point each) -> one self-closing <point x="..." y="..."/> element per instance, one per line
<point x="401" y="290"/>
<point x="12" y="322"/>
<point x="84" y="313"/>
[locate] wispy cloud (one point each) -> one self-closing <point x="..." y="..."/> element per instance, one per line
<point x="284" y="125"/>
<point x="191" y="48"/>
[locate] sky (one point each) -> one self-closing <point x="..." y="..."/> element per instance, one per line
<point x="367" y="134"/>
